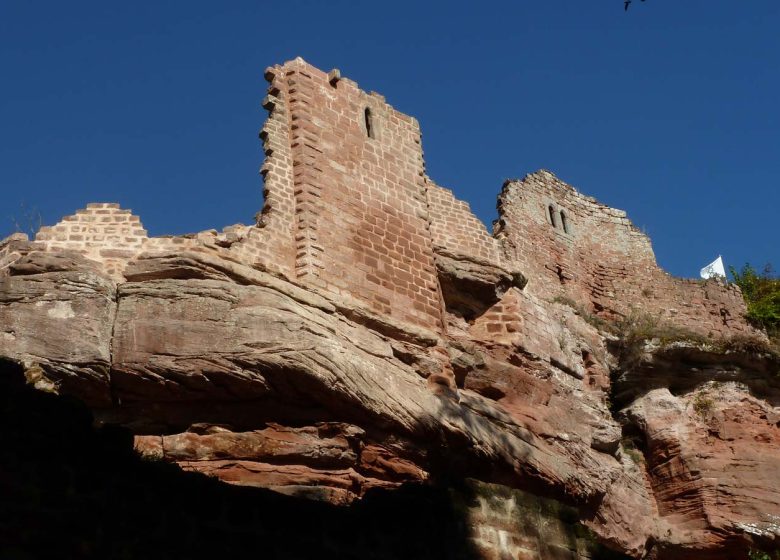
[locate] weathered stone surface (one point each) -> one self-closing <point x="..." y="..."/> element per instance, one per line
<point x="682" y="366"/>
<point x="327" y="445"/>
<point x="195" y="340"/>
<point x="713" y="456"/>
<point x="471" y="285"/>
<point x="56" y="317"/>
<point x="191" y="340"/>
<point x="329" y="461"/>
<point x="73" y="491"/>
<point x="39" y="262"/>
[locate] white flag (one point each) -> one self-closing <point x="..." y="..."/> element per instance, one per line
<point x="715" y="268"/>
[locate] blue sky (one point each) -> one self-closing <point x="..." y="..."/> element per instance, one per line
<point x="669" y="111"/>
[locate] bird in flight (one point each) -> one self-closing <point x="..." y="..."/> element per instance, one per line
<point x="627" y="3"/>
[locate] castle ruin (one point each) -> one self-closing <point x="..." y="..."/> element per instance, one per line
<point x="349" y="210"/>
<point x="367" y="333"/>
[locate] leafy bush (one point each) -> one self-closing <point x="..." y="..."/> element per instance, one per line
<point x="762" y="296"/>
<point x="760" y="555"/>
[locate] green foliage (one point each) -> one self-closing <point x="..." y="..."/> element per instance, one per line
<point x="632" y="450"/>
<point x="761" y="555"/>
<point x="637" y="328"/>
<point x="703" y="405"/>
<point x="746" y="344"/>
<point x="761" y="291"/>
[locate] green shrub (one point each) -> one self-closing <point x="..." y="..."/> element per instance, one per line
<point x="637" y="328"/>
<point x="747" y="344"/>
<point x="761" y="555"/>
<point x="762" y="297"/>
<point x="632" y="450"/>
<point x="703" y="404"/>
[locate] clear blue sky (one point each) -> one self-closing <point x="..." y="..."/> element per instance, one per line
<point x="669" y="111"/>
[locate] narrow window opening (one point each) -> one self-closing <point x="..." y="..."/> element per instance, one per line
<point x="551" y="211"/>
<point x="369" y="123"/>
<point x="564" y="222"/>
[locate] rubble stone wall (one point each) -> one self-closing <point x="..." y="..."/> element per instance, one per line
<point x="601" y="261"/>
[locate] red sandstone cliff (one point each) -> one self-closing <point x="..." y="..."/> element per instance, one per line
<point x="367" y="333"/>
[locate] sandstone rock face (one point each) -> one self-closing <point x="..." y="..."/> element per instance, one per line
<point x="192" y="341"/>
<point x="351" y="343"/>
<point x="712" y="461"/>
<point x="56" y="314"/>
<point x="237" y="374"/>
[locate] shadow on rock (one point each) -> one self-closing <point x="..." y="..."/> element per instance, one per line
<point x="75" y="492"/>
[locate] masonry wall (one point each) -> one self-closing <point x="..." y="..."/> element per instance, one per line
<point x="102" y="231"/>
<point x="601" y="261"/>
<point x="361" y="221"/>
<point x="271" y="243"/>
<point x="454" y="228"/>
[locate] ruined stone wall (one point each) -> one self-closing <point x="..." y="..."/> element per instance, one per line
<point x="337" y="387"/>
<point x="361" y="221"/>
<point x="507" y="523"/>
<point x="349" y="210"/>
<point x="456" y="229"/>
<point x="271" y="243"/>
<point x="345" y="211"/>
<point x="601" y="261"/>
<point x="102" y="231"/>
